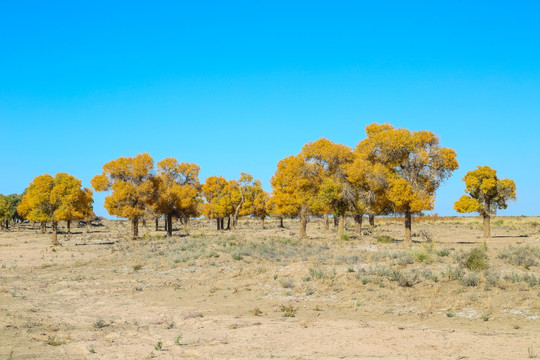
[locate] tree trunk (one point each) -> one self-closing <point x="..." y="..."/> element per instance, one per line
<point x="371" y="222"/>
<point x="358" y="224"/>
<point x="336" y="221"/>
<point x="68" y="226"/>
<point x="281" y="222"/>
<point x="222" y="223"/>
<point x="303" y="223"/>
<point x="487" y="227"/>
<point x="157" y="224"/>
<point x="341" y="224"/>
<point x="408" y="222"/>
<point x="7" y="224"/>
<point x="228" y="223"/>
<point x="326" y="222"/>
<point x="218" y="224"/>
<point x="186" y="224"/>
<point x="43" y="227"/>
<point x="135" y="227"/>
<point x="231" y="222"/>
<point x="55" y="233"/>
<point x="169" y="224"/>
<point x="262" y="223"/>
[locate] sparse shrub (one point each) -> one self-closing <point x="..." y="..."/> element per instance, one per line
<point x="159" y="345"/>
<point x="443" y="252"/>
<point x="384" y="239"/>
<point x="178" y="338"/>
<point x="470" y="280"/>
<point x="476" y="260"/>
<point x="430" y="275"/>
<point x="100" y="323"/>
<point x="422" y="256"/>
<point x="237" y="256"/>
<point x="256" y="311"/>
<point x="525" y="256"/>
<point x="405" y="259"/>
<point x="408" y="278"/>
<point x="320" y="274"/>
<point x="512" y="277"/>
<point x="531" y="279"/>
<point x="453" y="273"/>
<point x="344" y="237"/>
<point x="288" y="311"/>
<point x="450" y="314"/>
<point x="287" y="283"/>
<point x="53" y="341"/>
<point x="492" y="278"/>
<point x="137" y="267"/>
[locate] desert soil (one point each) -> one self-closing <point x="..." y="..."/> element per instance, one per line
<point x="263" y="293"/>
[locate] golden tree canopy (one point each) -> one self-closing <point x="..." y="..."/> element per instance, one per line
<point x="295" y="184"/>
<point x="485" y="192"/>
<point x="416" y="161"/>
<point x="130" y="180"/>
<point x="218" y="202"/>
<point x="56" y="198"/>
<point x="177" y="188"/>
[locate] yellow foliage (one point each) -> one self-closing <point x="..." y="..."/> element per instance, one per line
<point x="295" y="184"/>
<point x="56" y="199"/>
<point x="132" y="185"/>
<point x="176" y="188"/>
<point x="486" y="192"/>
<point x="415" y="162"/>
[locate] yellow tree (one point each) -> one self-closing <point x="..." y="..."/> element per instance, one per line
<point x="417" y="162"/>
<point x="370" y="184"/>
<point x="295" y="185"/>
<point x="177" y="190"/>
<point x="55" y="199"/>
<point x="8" y="208"/>
<point x="131" y="182"/>
<point x="256" y="202"/>
<point x="218" y="203"/>
<point x="335" y="191"/>
<point x="485" y="194"/>
<point x="239" y="192"/>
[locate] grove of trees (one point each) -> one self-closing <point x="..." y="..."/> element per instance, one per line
<point x="392" y="171"/>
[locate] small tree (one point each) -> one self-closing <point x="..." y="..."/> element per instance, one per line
<point x="485" y="194"/>
<point x="256" y="202"/>
<point x="132" y="184"/>
<point x="55" y="199"/>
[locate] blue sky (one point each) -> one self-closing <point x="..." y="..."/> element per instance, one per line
<point x="237" y="86"/>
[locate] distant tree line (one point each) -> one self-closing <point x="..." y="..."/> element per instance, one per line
<point x="392" y="171"/>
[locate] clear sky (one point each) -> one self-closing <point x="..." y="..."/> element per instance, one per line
<point x="236" y="86"/>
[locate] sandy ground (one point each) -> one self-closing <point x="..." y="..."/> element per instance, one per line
<point x="226" y="295"/>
